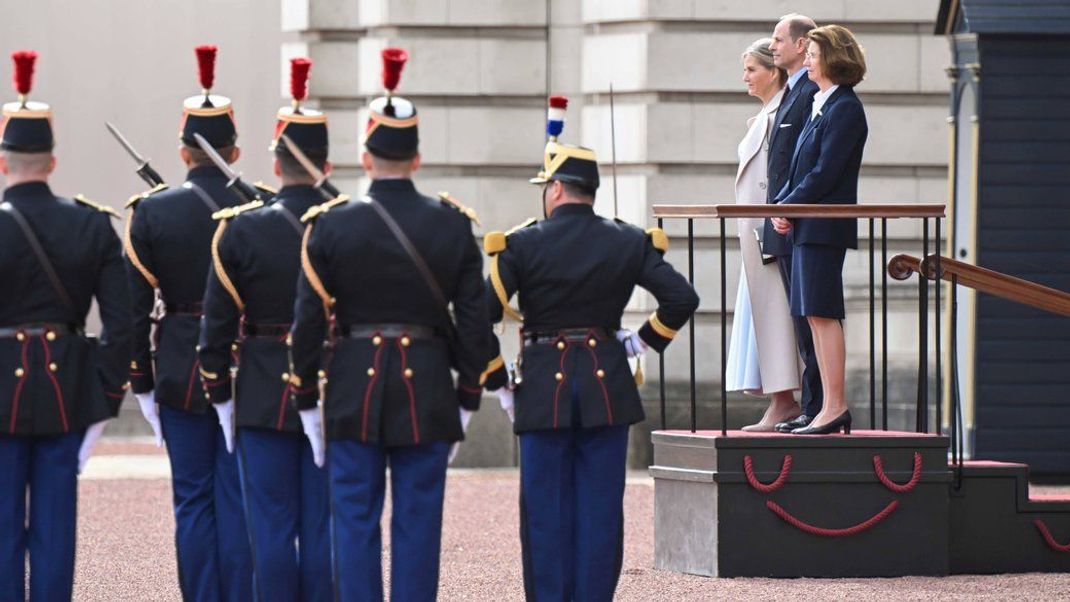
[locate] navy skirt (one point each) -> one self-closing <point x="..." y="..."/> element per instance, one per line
<point x="817" y="281"/>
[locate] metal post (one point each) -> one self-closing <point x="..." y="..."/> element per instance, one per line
<point x="724" y="335"/>
<point x="691" y="279"/>
<point x="661" y="365"/>
<point x="922" y="409"/>
<point x="939" y="376"/>
<point x="956" y="406"/>
<point x="884" y="323"/>
<point x="872" y="330"/>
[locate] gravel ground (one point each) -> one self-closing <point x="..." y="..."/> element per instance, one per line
<point x="126" y="551"/>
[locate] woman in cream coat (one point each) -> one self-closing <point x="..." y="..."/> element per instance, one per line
<point x="763" y="358"/>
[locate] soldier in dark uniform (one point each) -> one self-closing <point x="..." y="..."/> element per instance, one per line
<point x="248" y="308"/>
<point x="390" y="398"/>
<point x="574" y="273"/>
<point x="55" y="381"/>
<point x="168" y="248"/>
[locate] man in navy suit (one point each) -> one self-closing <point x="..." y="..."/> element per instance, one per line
<point x="789" y="50"/>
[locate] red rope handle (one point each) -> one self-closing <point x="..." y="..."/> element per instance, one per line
<point x="878" y="467"/>
<point x="823" y="532"/>
<point x="1048" y="537"/>
<point x="748" y="469"/>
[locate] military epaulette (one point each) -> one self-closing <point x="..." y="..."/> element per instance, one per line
<point x="233" y="212"/>
<point x="80" y="199"/>
<point x="658" y="238"/>
<point x="496" y="242"/>
<point x="264" y="188"/>
<point x="322" y="208"/>
<point x="134" y="200"/>
<point x="467" y="211"/>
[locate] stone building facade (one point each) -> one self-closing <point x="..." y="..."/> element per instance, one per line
<point x="480" y="71"/>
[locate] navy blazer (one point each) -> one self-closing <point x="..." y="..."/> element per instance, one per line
<point x="825" y="168"/>
<point x="790" y="120"/>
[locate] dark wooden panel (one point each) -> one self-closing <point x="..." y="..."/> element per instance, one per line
<point x="1024" y="372"/>
<point x="1000" y="328"/>
<point x="1048" y="416"/>
<point x="1010" y="397"/>
<point x="1024" y="439"/>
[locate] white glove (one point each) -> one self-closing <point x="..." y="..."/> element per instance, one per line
<point x="466" y="417"/>
<point x="147" y="401"/>
<point x="505" y="398"/>
<point x="312" y="422"/>
<point x="225" y="412"/>
<point x="92" y="434"/>
<point x="633" y="345"/>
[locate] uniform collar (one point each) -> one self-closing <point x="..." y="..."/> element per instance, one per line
<point x="299" y="197"/>
<point x="393" y="185"/>
<point x="204" y="171"/>
<point x="27" y="189"/>
<point x="573" y="209"/>
<point x="297" y="191"/>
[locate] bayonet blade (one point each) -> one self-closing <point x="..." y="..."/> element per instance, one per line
<point x="235" y="184"/>
<point x="219" y="161"/>
<point x="125" y="144"/>
<point x="321" y="184"/>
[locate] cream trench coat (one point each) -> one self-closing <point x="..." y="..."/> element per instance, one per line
<point x="764" y="358"/>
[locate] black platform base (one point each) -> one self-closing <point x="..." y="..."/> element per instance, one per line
<point x="874" y="503"/>
<point x="996" y="527"/>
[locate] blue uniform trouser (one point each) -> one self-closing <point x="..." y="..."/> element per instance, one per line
<point x="358" y="484"/>
<point x="47" y="468"/>
<point x="572" y="512"/>
<point x="288" y="512"/>
<point x="214" y="558"/>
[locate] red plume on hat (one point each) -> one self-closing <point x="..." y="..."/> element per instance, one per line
<point x="393" y="61"/>
<point x="206" y="65"/>
<point x="24" y="64"/>
<point x="299" y="68"/>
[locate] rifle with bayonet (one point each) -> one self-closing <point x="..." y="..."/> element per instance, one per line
<point x="322" y="185"/>
<point x="236" y="185"/>
<point x="147" y="173"/>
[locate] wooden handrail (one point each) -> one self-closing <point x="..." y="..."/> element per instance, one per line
<point x="987" y="281"/>
<point x="912" y="210"/>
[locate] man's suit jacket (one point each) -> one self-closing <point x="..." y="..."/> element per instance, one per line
<point x="825" y="169"/>
<point x="790" y="119"/>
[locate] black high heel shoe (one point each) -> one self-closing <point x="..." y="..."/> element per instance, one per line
<point x="833" y="426"/>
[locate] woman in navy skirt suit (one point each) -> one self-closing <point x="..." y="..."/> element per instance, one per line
<point x="824" y="170"/>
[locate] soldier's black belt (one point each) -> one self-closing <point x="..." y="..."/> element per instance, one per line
<point x="569" y="335"/>
<point x="274" y="331"/>
<point x="184" y="309"/>
<point x="390" y="331"/>
<point x="36" y="330"/>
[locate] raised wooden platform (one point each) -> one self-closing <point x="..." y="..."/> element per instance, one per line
<point x="869" y="504"/>
<point x="997" y="527"/>
<point x="873" y="503"/>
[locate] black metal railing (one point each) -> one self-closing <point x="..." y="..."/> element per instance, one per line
<point x="872" y="213"/>
<point x="901" y="267"/>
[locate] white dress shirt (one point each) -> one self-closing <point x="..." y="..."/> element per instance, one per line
<point x="819" y="101"/>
